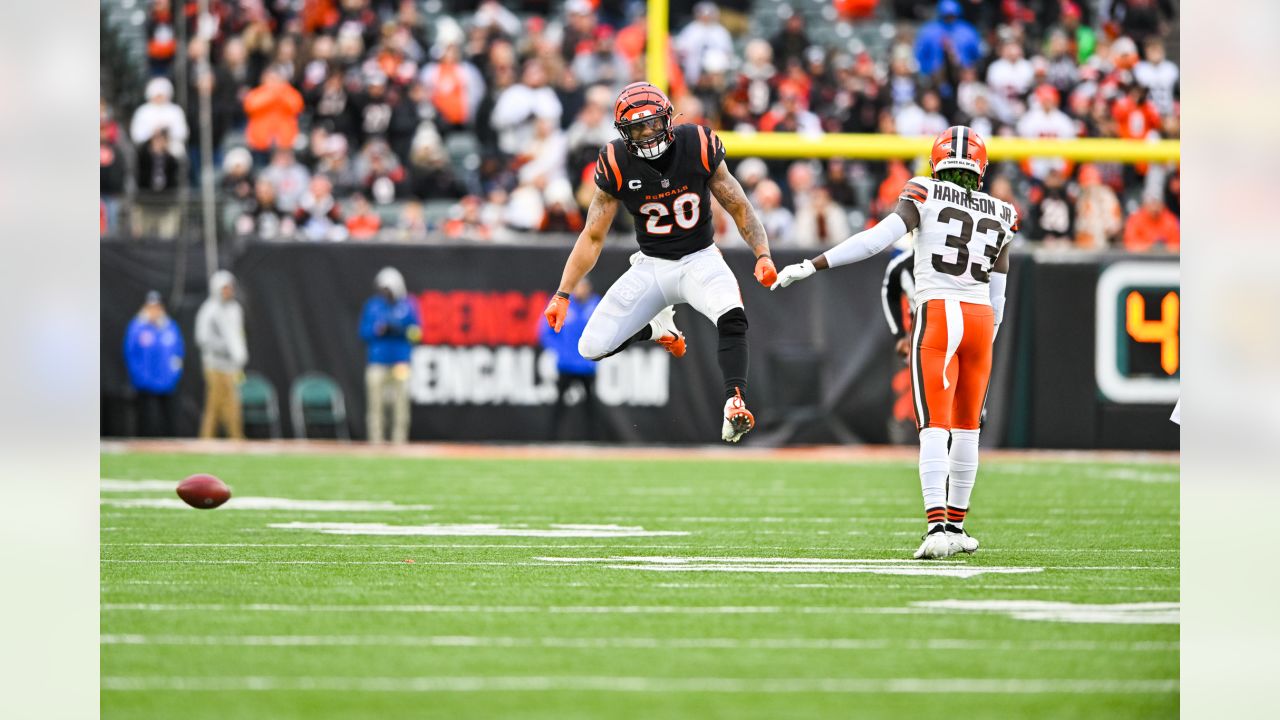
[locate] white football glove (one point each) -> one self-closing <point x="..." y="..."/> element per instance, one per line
<point x="792" y="273"/>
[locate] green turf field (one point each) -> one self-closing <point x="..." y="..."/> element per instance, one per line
<point x="543" y="589"/>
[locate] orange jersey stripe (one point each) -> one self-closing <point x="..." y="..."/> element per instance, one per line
<point x="702" y="140"/>
<point x="613" y="163"/>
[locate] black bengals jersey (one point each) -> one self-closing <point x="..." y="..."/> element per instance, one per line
<point x="672" y="208"/>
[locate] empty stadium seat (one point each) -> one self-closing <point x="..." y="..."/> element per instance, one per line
<point x="315" y="399"/>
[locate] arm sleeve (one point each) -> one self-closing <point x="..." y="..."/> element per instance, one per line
<point x="867" y="243"/>
<point x="998" y="281"/>
<point x="891" y="293"/>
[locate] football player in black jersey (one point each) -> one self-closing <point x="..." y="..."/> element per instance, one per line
<point x="664" y="175"/>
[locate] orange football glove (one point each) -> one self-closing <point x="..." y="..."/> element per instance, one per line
<point x="556" y="310"/>
<point x="766" y="273"/>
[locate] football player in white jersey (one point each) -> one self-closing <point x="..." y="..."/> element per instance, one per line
<point x="961" y="241"/>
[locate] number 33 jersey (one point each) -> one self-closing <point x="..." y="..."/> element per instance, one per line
<point x="960" y="236"/>
<point x="671" y="208"/>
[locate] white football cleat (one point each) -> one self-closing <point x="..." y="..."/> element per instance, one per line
<point x="665" y="332"/>
<point x="936" y="546"/>
<point x="964" y="542"/>
<point x="738" y="420"/>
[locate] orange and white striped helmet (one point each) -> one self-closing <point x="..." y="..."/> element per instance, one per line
<point x="959" y="146"/>
<point x="643" y="116"/>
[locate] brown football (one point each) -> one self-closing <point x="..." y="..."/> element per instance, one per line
<point x="204" y="492"/>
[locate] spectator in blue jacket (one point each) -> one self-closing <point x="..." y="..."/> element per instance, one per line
<point x="572" y="370"/>
<point x="390" y="326"/>
<point x="153" y="353"/>
<point x="948" y="32"/>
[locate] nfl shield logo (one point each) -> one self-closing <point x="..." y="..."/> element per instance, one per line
<point x="666" y="182"/>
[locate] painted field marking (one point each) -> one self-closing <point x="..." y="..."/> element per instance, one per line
<point x="876" y="585"/>
<point x="588" y="546"/>
<point x="268" y="503"/>
<point x="754" y="686"/>
<point x="903" y="567"/>
<point x="190" y="561"/>
<point x="637" y="643"/>
<point x="751" y="586"/>
<point x="791" y="565"/>
<point x="575" y="530"/>
<point x="514" y="609"/>
<point x="1145" y="613"/>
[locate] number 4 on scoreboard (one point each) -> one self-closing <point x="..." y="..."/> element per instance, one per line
<point x="1163" y="330"/>
<point x="1123" y="294"/>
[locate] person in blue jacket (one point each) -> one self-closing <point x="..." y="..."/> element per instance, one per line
<point x="947" y="33"/>
<point x="389" y="326"/>
<point x="153" y="353"/>
<point x="571" y="368"/>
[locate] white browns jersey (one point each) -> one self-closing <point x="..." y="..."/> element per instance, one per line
<point x="958" y="240"/>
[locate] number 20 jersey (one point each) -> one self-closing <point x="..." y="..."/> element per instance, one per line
<point x="672" y="209"/>
<point x="958" y="240"/>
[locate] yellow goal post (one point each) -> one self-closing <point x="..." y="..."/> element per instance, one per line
<point x="885" y="147"/>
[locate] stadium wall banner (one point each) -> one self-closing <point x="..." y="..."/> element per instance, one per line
<point x="822" y="365"/>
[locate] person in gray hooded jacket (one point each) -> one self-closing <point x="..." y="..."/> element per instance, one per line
<point x="220" y="335"/>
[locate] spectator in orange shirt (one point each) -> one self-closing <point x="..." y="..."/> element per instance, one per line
<point x="1097" y="211"/>
<point x="363" y="223"/>
<point x="273" y="109"/>
<point x="1150" y="225"/>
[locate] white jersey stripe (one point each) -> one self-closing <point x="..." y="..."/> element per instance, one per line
<point x="955" y="333"/>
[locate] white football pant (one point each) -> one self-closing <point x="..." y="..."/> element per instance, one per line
<point x="701" y="279"/>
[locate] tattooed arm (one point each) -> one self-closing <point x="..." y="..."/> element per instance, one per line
<point x="729" y="193"/>
<point x="590" y="241"/>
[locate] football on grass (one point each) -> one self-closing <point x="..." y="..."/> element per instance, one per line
<point x="203" y="491"/>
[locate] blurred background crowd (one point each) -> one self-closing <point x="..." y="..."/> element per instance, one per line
<point x="458" y="120"/>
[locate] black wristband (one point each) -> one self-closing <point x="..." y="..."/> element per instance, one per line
<point x="562" y="294"/>
<point x="763" y="255"/>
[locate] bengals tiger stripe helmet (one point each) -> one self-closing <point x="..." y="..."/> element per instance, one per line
<point x="959" y="146"/>
<point x="643" y="116"/>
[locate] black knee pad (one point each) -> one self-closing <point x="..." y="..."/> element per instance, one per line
<point x="733" y="322"/>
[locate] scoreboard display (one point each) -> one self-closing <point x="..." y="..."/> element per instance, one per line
<point x="1137" y="357"/>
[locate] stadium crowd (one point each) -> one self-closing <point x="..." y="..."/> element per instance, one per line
<point x="480" y="121"/>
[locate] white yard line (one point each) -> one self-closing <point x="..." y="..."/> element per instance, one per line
<point x="190" y="561"/>
<point x="748" y="585"/>
<point x="926" y="686"/>
<point x="871" y="584"/>
<point x="606" y="546"/>
<point x="529" y="609"/>
<point x="500" y="609"/>
<point x="553" y="530"/>
<point x="637" y="643"/>
<point x="816" y="568"/>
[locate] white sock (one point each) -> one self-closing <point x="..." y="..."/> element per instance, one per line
<point x="933" y="470"/>
<point x="964" y="473"/>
